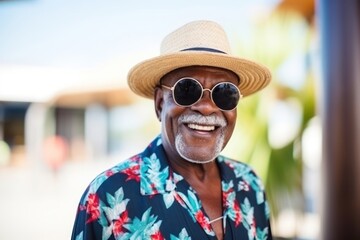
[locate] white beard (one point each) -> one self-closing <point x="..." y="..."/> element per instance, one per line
<point x="211" y="156"/>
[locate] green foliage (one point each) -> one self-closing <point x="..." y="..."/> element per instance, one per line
<point x="272" y="42"/>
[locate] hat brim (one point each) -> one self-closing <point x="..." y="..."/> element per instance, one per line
<point x="145" y="76"/>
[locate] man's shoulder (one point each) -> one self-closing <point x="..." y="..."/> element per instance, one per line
<point x="119" y="175"/>
<point x="125" y="174"/>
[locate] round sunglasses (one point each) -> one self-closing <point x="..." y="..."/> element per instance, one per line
<point x="188" y="91"/>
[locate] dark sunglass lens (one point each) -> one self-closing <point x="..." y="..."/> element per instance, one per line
<point x="187" y="92"/>
<point x="226" y="96"/>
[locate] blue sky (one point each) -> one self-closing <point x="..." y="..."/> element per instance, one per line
<point x="52" y="32"/>
<point x="86" y="34"/>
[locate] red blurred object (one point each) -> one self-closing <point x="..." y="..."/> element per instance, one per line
<point x="55" y="152"/>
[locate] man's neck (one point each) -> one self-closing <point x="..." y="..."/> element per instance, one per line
<point x="196" y="173"/>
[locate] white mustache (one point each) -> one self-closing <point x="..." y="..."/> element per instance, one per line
<point x="202" y="120"/>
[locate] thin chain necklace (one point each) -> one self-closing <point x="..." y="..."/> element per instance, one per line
<point x="216" y="219"/>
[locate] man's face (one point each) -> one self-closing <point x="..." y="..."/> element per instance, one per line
<point x="197" y="133"/>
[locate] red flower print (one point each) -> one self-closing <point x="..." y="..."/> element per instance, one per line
<point x="157" y="236"/>
<point x="179" y="199"/>
<point x="132" y="173"/>
<point x="135" y="158"/>
<point x="237" y="213"/>
<point x="225" y="197"/>
<point x="109" y="173"/>
<point x="153" y="187"/>
<point x="81" y="208"/>
<point x="243" y="185"/>
<point x="118" y="224"/>
<point x="230" y="165"/>
<point x="234" y="206"/>
<point x="200" y="217"/>
<point x="93" y="207"/>
<point x="253" y="226"/>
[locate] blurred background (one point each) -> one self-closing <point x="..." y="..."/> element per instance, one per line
<point x="66" y="113"/>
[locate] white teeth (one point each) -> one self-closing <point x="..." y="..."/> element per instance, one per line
<point x="201" y="127"/>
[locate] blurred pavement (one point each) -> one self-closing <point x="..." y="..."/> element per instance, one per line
<point x="39" y="204"/>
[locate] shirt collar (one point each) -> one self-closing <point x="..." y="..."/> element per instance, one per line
<point x="156" y="176"/>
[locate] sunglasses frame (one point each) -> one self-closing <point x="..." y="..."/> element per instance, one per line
<point x="202" y="92"/>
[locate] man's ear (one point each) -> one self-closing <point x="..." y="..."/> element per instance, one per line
<point x="158" y="101"/>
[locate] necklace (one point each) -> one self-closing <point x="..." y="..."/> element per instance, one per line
<point x="216" y="219"/>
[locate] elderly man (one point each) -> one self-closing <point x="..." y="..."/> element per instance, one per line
<point x="180" y="187"/>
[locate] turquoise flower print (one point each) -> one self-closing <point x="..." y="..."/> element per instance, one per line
<point x="101" y="178"/>
<point x="169" y="195"/>
<point x="232" y="208"/>
<point x="243" y="186"/>
<point x="80" y="236"/>
<point x="182" y="236"/>
<point x="159" y="141"/>
<point x="134" y="199"/>
<point x="249" y="221"/>
<point x="153" y="180"/>
<point x="262" y="234"/>
<point x="115" y="215"/>
<point x="194" y="207"/>
<point x="145" y="228"/>
<point x="240" y="169"/>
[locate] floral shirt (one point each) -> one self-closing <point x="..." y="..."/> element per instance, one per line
<point x="142" y="198"/>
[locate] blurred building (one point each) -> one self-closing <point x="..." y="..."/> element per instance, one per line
<point x="74" y="125"/>
<point x="12" y="132"/>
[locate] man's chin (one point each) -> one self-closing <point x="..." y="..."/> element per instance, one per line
<point x="197" y="160"/>
<point x="196" y="154"/>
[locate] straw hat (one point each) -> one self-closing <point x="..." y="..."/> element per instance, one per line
<point x="198" y="43"/>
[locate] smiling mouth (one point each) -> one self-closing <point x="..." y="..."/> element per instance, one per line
<point x="205" y="128"/>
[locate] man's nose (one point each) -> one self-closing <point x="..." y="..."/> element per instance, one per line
<point x="205" y="105"/>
